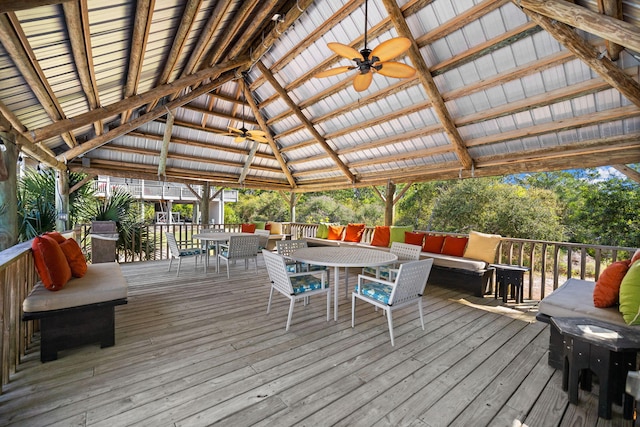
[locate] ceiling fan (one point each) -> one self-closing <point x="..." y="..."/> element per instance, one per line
<point x="372" y="61"/>
<point x="242" y="134"/>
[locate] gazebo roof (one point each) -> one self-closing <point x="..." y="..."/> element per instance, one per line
<point x="501" y="87"/>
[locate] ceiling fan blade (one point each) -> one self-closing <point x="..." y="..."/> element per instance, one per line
<point x="344" y="50"/>
<point x="391" y="48"/>
<point x="362" y="81"/>
<point x="256" y="132"/>
<point x="333" y="71"/>
<point x="258" y="138"/>
<point x="234" y="130"/>
<point x="397" y="70"/>
<point x="239" y="139"/>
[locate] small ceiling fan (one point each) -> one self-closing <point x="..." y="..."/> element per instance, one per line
<point x="372" y="61"/>
<point x="243" y="133"/>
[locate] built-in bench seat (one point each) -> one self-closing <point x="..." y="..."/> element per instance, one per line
<point x="83" y="312"/>
<point x="468" y="274"/>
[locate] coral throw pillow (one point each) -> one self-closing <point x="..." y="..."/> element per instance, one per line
<point x="433" y="243"/>
<point x="630" y="295"/>
<point x="414" y="238"/>
<point x="381" y="236"/>
<point x="75" y="257"/>
<point x="56" y="236"/>
<point x="248" y="228"/>
<point x="335" y="232"/>
<point x="454" y="246"/>
<point x="50" y="262"/>
<point x="607" y="289"/>
<point x="354" y="232"/>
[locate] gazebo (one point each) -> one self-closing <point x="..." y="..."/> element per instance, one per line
<point x="231" y="94"/>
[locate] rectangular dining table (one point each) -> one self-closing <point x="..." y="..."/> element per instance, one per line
<point x="339" y="257"/>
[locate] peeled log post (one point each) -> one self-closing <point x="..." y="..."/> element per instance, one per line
<point x="8" y="194"/>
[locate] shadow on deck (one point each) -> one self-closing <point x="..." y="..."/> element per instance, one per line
<point x="200" y="350"/>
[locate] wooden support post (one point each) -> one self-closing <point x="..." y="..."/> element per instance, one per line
<point x="388" y="203"/>
<point x="168" y="129"/>
<point x="204" y="204"/>
<point x="62" y="200"/>
<point x="8" y="194"/>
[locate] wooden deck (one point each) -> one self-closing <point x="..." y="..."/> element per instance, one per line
<point x="200" y="350"/>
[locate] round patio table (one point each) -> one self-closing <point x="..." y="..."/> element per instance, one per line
<point x="217" y="238"/>
<point x="342" y="256"/>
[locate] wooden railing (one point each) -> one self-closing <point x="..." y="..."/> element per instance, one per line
<point x="551" y="263"/>
<point x="18" y="275"/>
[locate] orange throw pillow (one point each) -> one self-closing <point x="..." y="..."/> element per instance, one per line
<point x="381" y="236"/>
<point x="433" y="243"/>
<point x="607" y="289"/>
<point x="413" y="238"/>
<point x="55" y="236"/>
<point x="335" y="232"/>
<point x="75" y="257"/>
<point x="354" y="232"/>
<point x="454" y="246"/>
<point x="248" y="228"/>
<point x="50" y="262"/>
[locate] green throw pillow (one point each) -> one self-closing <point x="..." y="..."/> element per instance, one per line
<point x="323" y="231"/>
<point x="630" y="295"/>
<point x="260" y="224"/>
<point x="397" y="233"/>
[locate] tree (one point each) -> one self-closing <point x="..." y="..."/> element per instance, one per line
<point x="416" y="207"/>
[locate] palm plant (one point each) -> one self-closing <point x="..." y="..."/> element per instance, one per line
<point x="118" y="208"/>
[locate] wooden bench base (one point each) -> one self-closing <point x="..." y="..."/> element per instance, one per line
<point x="475" y="282"/>
<point x="73" y="327"/>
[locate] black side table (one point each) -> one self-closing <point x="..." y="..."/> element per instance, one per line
<point x="604" y="349"/>
<point x="510" y="275"/>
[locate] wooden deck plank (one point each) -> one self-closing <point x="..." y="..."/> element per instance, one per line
<point x="200" y="349"/>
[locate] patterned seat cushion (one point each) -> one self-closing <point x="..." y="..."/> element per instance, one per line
<point x="190" y="251"/>
<point x="376" y="291"/>
<point x="305" y="283"/>
<point x="384" y="271"/>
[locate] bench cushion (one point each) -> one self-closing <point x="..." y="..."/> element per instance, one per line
<point x="575" y="299"/>
<point x="450" y="261"/>
<point x="102" y="282"/>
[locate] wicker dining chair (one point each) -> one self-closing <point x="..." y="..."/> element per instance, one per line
<point x="243" y="248"/>
<point x="404" y="251"/>
<point x="178" y="253"/>
<point x="406" y="289"/>
<point x="295" y="286"/>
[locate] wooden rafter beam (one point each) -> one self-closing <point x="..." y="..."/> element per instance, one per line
<point x="218" y="114"/>
<point x="15" y="5"/>
<point x="81" y="183"/>
<point x="135" y="101"/>
<point x="133" y="124"/>
<point x="606" y="27"/>
<point x="272" y="143"/>
<point x="179" y="40"/>
<point x="17" y="46"/>
<point x="429" y="85"/>
<point x="612" y="8"/>
<point x="588" y="54"/>
<point x="312" y="130"/>
<point x="139" y="38"/>
<point x="76" y="15"/>
<point x="29" y="147"/>
<point x="630" y="173"/>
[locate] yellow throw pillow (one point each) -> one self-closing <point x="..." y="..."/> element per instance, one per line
<point x="482" y="246"/>
<point x="276" y="227"/>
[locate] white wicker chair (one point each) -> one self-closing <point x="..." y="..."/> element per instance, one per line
<point x="404" y="251"/>
<point x="179" y="253"/>
<point x="263" y="238"/>
<point x="287" y="247"/>
<point x="295" y="286"/>
<point x="239" y="248"/>
<point x="407" y="289"/>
